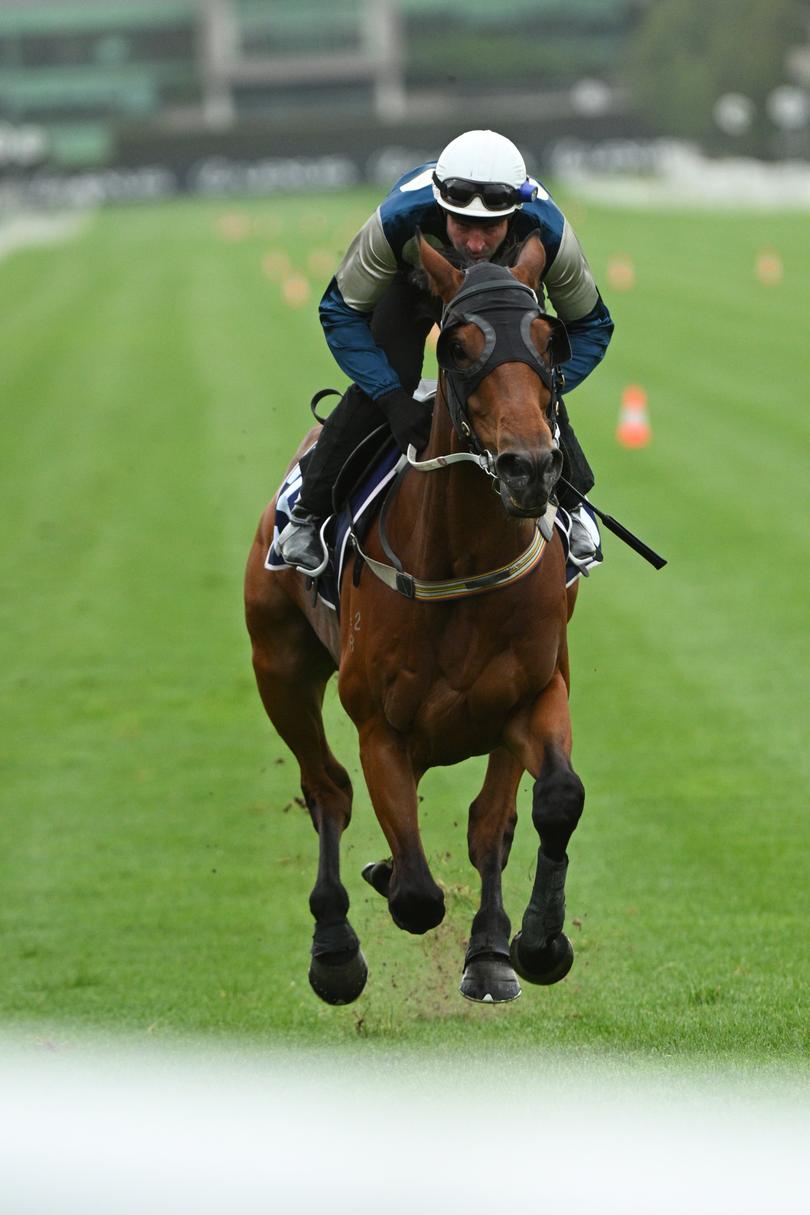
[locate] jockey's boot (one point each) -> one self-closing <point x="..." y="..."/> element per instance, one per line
<point x="300" y="543"/>
<point x="584" y="543"/>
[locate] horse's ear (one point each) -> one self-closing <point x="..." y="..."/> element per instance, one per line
<point x="443" y="279"/>
<point x="555" y="341"/>
<point x="531" y="262"/>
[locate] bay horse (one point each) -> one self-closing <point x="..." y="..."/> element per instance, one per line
<point x="480" y="668"/>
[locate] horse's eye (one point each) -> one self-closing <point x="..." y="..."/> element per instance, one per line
<point x="457" y="351"/>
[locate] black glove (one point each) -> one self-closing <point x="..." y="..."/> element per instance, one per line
<point x="409" y="420"/>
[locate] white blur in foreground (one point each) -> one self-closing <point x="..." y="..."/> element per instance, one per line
<point x="118" y="1132"/>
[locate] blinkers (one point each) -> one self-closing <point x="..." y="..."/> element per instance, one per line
<point x="497" y="294"/>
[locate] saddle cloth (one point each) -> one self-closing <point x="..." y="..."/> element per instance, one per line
<point x="365" y="502"/>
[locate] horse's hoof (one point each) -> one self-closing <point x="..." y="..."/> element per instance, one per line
<point x="338" y="982"/>
<point x="378" y="875"/>
<point x="489" y="979"/>
<point x="543" y="966"/>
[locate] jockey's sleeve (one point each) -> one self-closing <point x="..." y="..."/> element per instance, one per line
<point x="589" y="336"/>
<point x="348" y="302"/>
<point x="576" y="299"/>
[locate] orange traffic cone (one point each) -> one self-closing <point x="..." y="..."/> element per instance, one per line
<point x="769" y="267"/>
<point x="634" y="422"/>
<point x="621" y="272"/>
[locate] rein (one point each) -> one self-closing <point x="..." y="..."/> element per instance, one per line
<point x="504" y="295"/>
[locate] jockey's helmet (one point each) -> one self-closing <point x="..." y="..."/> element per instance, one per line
<point x="482" y="174"/>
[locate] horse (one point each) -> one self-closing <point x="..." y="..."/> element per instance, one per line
<point x="477" y="664"/>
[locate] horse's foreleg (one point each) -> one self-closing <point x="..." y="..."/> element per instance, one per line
<point x="541" y="737"/>
<point x="291" y="672"/>
<point x="415" y="901"/>
<point x="488" y="975"/>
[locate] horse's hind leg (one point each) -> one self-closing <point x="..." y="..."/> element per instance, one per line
<point x="292" y="669"/>
<point x="541" y="952"/>
<point x="488" y="975"/>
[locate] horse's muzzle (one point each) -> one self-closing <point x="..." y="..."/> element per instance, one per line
<point x="526" y="481"/>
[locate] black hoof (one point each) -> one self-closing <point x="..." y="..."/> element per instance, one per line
<point x="543" y="966"/>
<point x="338" y="982"/>
<point x="489" y="979"/>
<point x="378" y="875"/>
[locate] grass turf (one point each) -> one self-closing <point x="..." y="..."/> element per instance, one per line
<point x="155" y="862"/>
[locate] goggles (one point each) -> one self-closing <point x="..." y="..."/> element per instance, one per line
<point x="495" y="195"/>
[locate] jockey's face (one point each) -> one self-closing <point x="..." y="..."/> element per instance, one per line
<point x="477" y="238"/>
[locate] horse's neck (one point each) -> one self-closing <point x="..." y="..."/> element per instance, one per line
<point x="451" y="521"/>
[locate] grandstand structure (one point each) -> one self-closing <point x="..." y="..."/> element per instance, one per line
<point x="96" y="78"/>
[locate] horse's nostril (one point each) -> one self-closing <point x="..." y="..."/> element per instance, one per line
<point x="518" y="470"/>
<point x="514" y="467"/>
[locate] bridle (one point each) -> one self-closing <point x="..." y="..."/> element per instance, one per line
<point x="497" y="297"/>
<point x="489" y="298"/>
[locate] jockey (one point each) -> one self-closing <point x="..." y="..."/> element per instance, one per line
<point x="476" y="199"/>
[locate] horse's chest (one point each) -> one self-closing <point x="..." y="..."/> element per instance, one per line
<point x="463" y="707"/>
<point x="450" y="679"/>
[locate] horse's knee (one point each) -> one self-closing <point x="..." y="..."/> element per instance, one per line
<point x="559" y="797"/>
<point x="415" y="906"/>
<point x="491" y="847"/>
<point x="329" y="802"/>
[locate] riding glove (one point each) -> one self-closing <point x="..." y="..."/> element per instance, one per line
<point x="409" y="420"/>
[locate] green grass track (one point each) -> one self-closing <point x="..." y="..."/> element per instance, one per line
<point x="155" y="865"/>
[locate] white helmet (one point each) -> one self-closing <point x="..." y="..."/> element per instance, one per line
<point x="489" y="161"/>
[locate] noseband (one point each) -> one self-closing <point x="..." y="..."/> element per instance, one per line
<point x="490" y="298"/>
